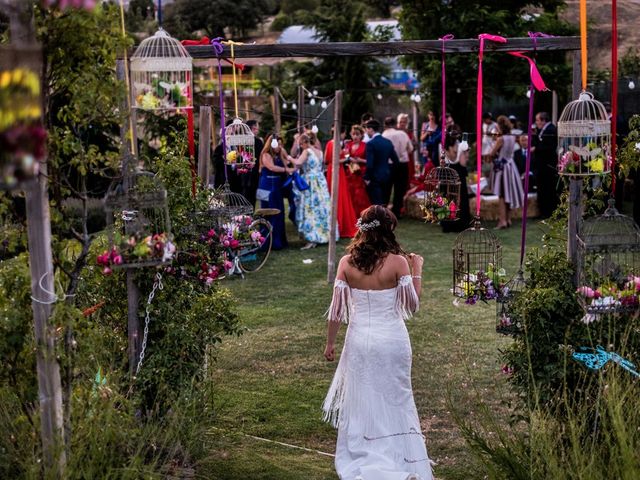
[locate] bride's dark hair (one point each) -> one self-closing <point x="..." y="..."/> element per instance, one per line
<point x="375" y="239"/>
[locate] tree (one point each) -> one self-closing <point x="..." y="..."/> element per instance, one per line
<point x="185" y="18"/>
<point x="343" y="21"/>
<point x="503" y="74"/>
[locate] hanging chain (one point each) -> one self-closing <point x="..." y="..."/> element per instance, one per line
<point x="157" y="285"/>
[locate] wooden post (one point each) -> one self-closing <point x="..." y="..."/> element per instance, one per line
<point x="416" y="137"/>
<point x="575" y="222"/>
<point x="576" y="87"/>
<point x="276" y="110"/>
<point x="554" y="107"/>
<point x="300" y="109"/>
<point x="22" y="35"/>
<point x="337" y="127"/>
<point x="204" y="145"/>
<point x="133" y="292"/>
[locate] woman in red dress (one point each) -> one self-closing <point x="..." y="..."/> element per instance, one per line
<point x="355" y="149"/>
<point x="346" y="214"/>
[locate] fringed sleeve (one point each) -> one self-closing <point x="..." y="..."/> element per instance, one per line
<point x="341" y="306"/>
<point x="407" y="301"/>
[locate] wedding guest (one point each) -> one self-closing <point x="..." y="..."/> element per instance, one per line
<point x="456" y="156"/>
<point x="403" y="125"/>
<point x="313" y="204"/>
<point x="274" y="169"/>
<point x="364" y="118"/>
<point x="431" y="136"/>
<point x="545" y="145"/>
<point x="520" y="159"/>
<point x="488" y="136"/>
<point x="506" y="179"/>
<point x="346" y="213"/>
<point x="381" y="158"/>
<point x="357" y="168"/>
<point x="403" y="147"/>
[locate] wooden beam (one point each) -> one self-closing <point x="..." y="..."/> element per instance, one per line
<point x="409" y="47"/>
<point x="335" y="165"/>
<point x="204" y="145"/>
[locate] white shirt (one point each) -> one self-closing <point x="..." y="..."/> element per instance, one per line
<point x="401" y="143"/>
<point x="487" y="141"/>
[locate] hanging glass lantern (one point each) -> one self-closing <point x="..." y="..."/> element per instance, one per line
<point x="609" y="265"/>
<point x="22" y="136"/>
<point x="507" y="322"/>
<point x="584" y="138"/>
<point x="477" y="265"/>
<point x="240" y="144"/>
<point x="138" y="224"/>
<point x="441" y="194"/>
<point x="161" y="74"/>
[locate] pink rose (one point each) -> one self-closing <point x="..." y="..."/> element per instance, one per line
<point x="107" y="271"/>
<point x="226" y="242"/>
<point x="117" y="260"/>
<point x="440" y="201"/>
<point x="586" y="292"/>
<point x="234" y="243"/>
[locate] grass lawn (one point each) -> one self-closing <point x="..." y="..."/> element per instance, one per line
<point x="271" y="381"/>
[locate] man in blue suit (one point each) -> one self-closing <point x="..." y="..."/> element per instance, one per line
<point x="381" y="159"/>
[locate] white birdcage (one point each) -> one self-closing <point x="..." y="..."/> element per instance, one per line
<point x="161" y="74"/>
<point x="584" y="138"/>
<point x="240" y="145"/>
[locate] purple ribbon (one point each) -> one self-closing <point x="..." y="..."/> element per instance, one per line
<point x="218" y="49"/>
<point x="527" y="169"/>
<point x="443" y="39"/>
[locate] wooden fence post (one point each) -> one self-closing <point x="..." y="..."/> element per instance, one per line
<point x="575" y="189"/>
<point x="300" y="109"/>
<point x="416" y="135"/>
<point x="276" y="111"/>
<point x="204" y="145"/>
<point x="337" y="127"/>
<point x="22" y="36"/>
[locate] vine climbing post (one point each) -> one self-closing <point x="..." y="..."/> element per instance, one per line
<point x="337" y="127"/>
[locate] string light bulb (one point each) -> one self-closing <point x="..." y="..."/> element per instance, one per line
<point x="324" y="104"/>
<point x="413" y="97"/>
<point x="632" y="85"/>
<point x="379" y="96"/>
<point x="294" y="106"/>
<point x="310" y="95"/>
<point x="417" y="98"/>
<point x="312" y="102"/>
<point x="284" y="106"/>
<point x="315" y="92"/>
<point x="314" y="129"/>
<point x="528" y="93"/>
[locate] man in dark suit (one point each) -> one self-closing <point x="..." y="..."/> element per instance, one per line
<point x="545" y="146"/>
<point x="381" y="159"/>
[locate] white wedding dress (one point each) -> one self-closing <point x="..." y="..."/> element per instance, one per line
<point x="370" y="400"/>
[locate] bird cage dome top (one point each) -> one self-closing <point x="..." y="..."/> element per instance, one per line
<point x="477" y="238"/>
<point x="161" y="52"/>
<point x="609" y="232"/>
<point x="584" y="138"/>
<point x="225" y="204"/>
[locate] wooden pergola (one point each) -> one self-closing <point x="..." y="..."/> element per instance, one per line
<point x="397" y="48"/>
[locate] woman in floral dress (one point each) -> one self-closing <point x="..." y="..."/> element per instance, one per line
<point x="313" y="205"/>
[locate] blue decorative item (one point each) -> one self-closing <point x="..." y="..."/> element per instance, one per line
<point x="300" y="183"/>
<point x="600" y="357"/>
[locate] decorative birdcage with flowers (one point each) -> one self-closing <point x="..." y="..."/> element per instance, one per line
<point x="584" y="138"/>
<point x="22" y="136"/>
<point x="225" y="204"/>
<point x="240" y="145"/>
<point x="441" y="194"/>
<point x="161" y="74"/>
<point x="138" y="224"/>
<point x="609" y="265"/>
<point x="477" y="265"/>
<point x="507" y="321"/>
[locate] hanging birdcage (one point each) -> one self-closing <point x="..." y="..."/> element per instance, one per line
<point x="609" y="264"/>
<point x="22" y="136"/>
<point x="507" y="322"/>
<point x="477" y="265"/>
<point x="584" y="138"/>
<point x="138" y="224"/>
<point x="225" y="204"/>
<point x="240" y="144"/>
<point x="161" y="74"/>
<point x="441" y="194"/>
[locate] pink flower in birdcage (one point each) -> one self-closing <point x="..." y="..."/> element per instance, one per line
<point x="439" y="201"/>
<point x="228" y="265"/>
<point x="117" y="260"/>
<point x="107" y="271"/>
<point x="211" y="233"/>
<point x="256" y="236"/>
<point x="587" y="292"/>
<point x="507" y="369"/>
<point x="234" y="244"/>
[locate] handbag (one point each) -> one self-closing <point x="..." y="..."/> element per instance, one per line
<point x="299" y="182"/>
<point x="263" y="195"/>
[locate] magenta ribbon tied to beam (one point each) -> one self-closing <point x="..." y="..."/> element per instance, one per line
<point x="482" y="37"/>
<point x="443" y="39"/>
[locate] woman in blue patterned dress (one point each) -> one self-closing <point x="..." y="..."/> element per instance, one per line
<point x="313" y="205"/>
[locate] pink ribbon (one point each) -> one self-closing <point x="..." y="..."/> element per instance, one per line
<point x="536" y="78"/>
<point x="482" y="37"/>
<point x="443" y="39"/>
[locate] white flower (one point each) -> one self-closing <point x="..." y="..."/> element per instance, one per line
<point x="637" y="146"/>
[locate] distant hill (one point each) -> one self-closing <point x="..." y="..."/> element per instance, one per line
<point x="599" y="38"/>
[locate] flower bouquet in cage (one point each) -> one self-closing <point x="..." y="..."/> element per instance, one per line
<point x="438" y="207"/>
<point x="481" y="286"/>
<point x="610" y="297"/>
<point x="590" y="158"/>
<point x="238" y="234"/>
<point x="136" y="249"/>
<point x="22" y="138"/>
<point x="203" y="261"/>
<point x="161" y="95"/>
<point x="240" y="145"/>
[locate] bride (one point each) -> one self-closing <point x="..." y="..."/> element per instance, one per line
<point x="370" y="400"/>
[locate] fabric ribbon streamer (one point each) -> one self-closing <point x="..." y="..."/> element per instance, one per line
<point x="482" y="37"/>
<point x="614" y="91"/>
<point x="448" y="36"/>
<point x="583" y="42"/>
<point x="537" y="83"/>
<point x="216" y="43"/>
